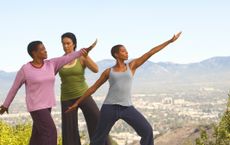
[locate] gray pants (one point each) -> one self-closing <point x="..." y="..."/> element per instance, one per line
<point x="70" y="130"/>
<point x="111" y="113"/>
<point x="44" y="130"/>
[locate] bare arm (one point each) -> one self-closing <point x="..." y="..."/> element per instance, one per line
<point x="60" y="61"/>
<point x="134" y="64"/>
<point x="103" y="78"/>
<point x="89" y="63"/>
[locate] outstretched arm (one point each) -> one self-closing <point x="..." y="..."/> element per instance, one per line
<point x="89" y="63"/>
<point x="60" y="61"/>
<point x="103" y="78"/>
<point x="18" y="82"/>
<point x="134" y="64"/>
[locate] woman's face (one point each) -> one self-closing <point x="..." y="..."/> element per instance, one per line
<point x="123" y="53"/>
<point x="41" y="52"/>
<point x="68" y="45"/>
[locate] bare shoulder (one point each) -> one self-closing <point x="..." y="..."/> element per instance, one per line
<point x="105" y="75"/>
<point x="82" y="60"/>
<point x="106" y="72"/>
<point x="131" y="64"/>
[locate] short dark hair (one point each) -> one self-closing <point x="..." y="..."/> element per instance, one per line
<point x="70" y="36"/>
<point x="115" y="49"/>
<point x="33" y="46"/>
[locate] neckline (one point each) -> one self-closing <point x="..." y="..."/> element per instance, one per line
<point x="71" y="65"/>
<point x="37" y="67"/>
<point x="121" y="71"/>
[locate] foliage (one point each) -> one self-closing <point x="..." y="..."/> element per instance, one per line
<point x="221" y="134"/>
<point x="16" y="135"/>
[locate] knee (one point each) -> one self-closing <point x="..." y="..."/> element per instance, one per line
<point x="146" y="131"/>
<point x="96" y="140"/>
<point x="149" y="130"/>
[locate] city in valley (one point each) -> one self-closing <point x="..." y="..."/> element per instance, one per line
<point x="170" y="96"/>
<point x="164" y="111"/>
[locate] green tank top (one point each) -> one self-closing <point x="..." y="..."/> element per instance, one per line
<point x="73" y="84"/>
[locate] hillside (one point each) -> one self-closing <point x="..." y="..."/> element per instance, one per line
<point x="182" y="136"/>
<point x="153" y="77"/>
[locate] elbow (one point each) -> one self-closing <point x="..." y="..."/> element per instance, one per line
<point x="91" y="91"/>
<point x="95" y="70"/>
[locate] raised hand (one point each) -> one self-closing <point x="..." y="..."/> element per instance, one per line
<point x="175" y="37"/>
<point x="3" y="110"/>
<point x="91" y="46"/>
<point x="84" y="52"/>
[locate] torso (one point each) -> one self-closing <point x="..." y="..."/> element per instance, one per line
<point x="73" y="84"/>
<point x="120" y="81"/>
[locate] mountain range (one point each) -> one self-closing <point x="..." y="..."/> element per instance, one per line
<point x="153" y="76"/>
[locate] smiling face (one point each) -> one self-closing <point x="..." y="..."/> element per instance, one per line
<point x="68" y="45"/>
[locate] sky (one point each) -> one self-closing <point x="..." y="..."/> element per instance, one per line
<point x="137" y="24"/>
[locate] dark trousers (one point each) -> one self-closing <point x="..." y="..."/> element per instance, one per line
<point x="70" y="130"/>
<point x="44" y="130"/>
<point x="111" y="113"/>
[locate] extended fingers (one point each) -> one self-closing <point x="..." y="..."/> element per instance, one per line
<point x="69" y="109"/>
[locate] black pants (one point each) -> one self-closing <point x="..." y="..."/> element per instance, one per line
<point x="111" y="113"/>
<point x="70" y="130"/>
<point x="44" y="130"/>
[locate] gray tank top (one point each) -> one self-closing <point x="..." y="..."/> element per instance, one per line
<point x="120" y="84"/>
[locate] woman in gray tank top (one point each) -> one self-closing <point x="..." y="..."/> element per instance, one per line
<point x="117" y="104"/>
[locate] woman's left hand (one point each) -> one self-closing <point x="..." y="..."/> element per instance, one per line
<point x="175" y="37"/>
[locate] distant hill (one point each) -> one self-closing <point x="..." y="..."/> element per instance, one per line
<point x="182" y="136"/>
<point x="157" y="76"/>
<point x="185" y="135"/>
<point x="6" y="80"/>
<point x="158" y="71"/>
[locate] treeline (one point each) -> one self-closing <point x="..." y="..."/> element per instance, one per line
<point x="221" y="135"/>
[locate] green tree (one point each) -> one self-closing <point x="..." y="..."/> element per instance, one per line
<point x="221" y="134"/>
<point x="16" y="135"/>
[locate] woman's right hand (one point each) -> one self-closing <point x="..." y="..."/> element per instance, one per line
<point x="71" y="108"/>
<point x="3" y="110"/>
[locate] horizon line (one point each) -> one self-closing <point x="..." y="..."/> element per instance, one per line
<point x="111" y="59"/>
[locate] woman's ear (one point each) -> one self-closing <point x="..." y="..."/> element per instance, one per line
<point x="33" y="54"/>
<point x="74" y="47"/>
<point x="116" y="55"/>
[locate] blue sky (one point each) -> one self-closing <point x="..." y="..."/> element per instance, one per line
<point x="137" y="24"/>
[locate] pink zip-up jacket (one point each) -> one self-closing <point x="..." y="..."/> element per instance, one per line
<point x="39" y="82"/>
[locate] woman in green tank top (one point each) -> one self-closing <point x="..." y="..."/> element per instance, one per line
<point x="73" y="86"/>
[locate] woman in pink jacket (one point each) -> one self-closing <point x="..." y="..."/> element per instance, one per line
<point x="38" y="76"/>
